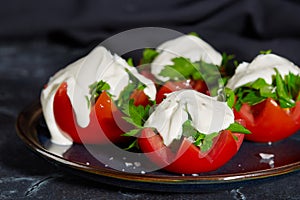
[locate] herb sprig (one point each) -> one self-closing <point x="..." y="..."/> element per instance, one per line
<point x="205" y="141"/>
<point x="284" y="90"/>
<point x="149" y="55"/>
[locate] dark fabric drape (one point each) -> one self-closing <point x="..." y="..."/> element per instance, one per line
<point x="242" y="27"/>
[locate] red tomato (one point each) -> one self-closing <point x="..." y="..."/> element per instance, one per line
<point x="169" y="87"/>
<point x="296" y="113"/>
<point x="106" y="123"/>
<point x="268" y="122"/>
<point x="172" y="86"/>
<point x="200" y="86"/>
<point x="188" y="158"/>
<point x="140" y="98"/>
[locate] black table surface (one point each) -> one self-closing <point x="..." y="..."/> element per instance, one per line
<point x="24" y="69"/>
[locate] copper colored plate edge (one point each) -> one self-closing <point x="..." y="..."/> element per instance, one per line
<point x="29" y="138"/>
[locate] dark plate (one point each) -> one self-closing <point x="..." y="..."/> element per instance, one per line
<point x="246" y="167"/>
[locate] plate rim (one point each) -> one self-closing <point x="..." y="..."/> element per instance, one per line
<point x="34" y="110"/>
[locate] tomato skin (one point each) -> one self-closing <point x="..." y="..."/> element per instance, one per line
<point x="296" y="114"/>
<point x="268" y="122"/>
<point x="169" y="87"/>
<point x="172" y="86"/>
<point x="140" y="98"/>
<point x="189" y="159"/>
<point x="106" y="123"/>
<point x="200" y="86"/>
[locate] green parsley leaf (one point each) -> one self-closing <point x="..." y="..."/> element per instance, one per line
<point x="149" y="55"/>
<point x="208" y="141"/>
<point x="230" y="97"/>
<point x="97" y="88"/>
<point x="265" y="51"/>
<point x="132" y="132"/>
<point x="194" y="34"/>
<point x="199" y="137"/>
<point x="285" y="99"/>
<point x="188" y="130"/>
<point x="125" y="96"/>
<point x="130" y="62"/>
<point x="88" y="102"/>
<point x="181" y="69"/>
<point x="253" y="98"/>
<point x="238" y="128"/>
<point x="133" y="145"/>
<point x="259" y="83"/>
<point x="134" y="84"/>
<point x="139" y="113"/>
<point x="293" y="84"/>
<point x="204" y="141"/>
<point x="284" y="90"/>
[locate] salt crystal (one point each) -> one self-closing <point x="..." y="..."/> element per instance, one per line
<point x="137" y="164"/>
<point x="266" y="156"/>
<point x="269" y="143"/>
<point x="128" y="164"/>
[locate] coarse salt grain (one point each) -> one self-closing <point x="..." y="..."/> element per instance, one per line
<point x="266" y="156"/>
<point x="137" y="164"/>
<point x="128" y="164"/>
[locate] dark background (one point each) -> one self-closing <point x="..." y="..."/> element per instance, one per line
<point x="39" y="37"/>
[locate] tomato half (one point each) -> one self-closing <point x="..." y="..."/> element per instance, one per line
<point x="169" y="87"/>
<point x="188" y="158"/>
<point x="172" y="86"/>
<point x="106" y="123"/>
<point x="268" y="122"/>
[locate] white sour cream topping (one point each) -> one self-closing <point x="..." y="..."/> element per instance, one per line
<point x="261" y="67"/>
<point x="98" y="65"/>
<point x="207" y="114"/>
<point x="187" y="46"/>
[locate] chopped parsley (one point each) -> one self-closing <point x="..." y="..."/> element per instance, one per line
<point x="284" y="90"/>
<point x="96" y="89"/>
<point x="133" y="84"/>
<point x="183" y="69"/>
<point x="130" y="62"/>
<point x="205" y="141"/>
<point x="265" y="51"/>
<point x="136" y="115"/>
<point x="194" y="34"/>
<point x="149" y="55"/>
